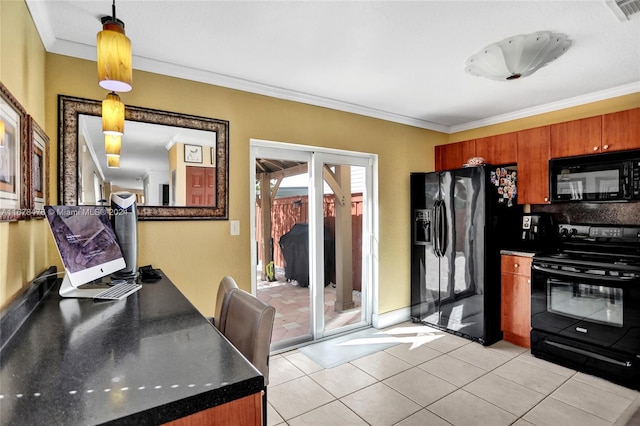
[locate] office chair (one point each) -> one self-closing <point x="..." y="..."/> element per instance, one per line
<point x="248" y="326"/>
<point x="227" y="284"/>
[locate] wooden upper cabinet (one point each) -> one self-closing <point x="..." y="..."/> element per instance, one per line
<point x="454" y="155"/>
<point x="577" y="137"/>
<point x="533" y="165"/>
<point x="621" y="130"/>
<point x="499" y="149"/>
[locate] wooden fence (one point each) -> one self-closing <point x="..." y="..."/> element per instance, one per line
<point x="288" y="211"/>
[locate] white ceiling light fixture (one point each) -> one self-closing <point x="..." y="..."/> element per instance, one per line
<point x="517" y="56"/>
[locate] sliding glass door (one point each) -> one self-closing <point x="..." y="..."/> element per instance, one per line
<point x="313" y="222"/>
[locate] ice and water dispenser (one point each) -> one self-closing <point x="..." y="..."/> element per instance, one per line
<point x="422" y="227"/>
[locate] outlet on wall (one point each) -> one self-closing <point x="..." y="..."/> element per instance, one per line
<point x="234" y="227"/>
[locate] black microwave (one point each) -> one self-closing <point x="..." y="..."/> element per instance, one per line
<point x="600" y="177"/>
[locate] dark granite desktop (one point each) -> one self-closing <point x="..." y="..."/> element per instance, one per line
<point x="148" y="359"/>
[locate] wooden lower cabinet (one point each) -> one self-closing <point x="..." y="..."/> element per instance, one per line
<point x="245" y="411"/>
<point x="515" y="318"/>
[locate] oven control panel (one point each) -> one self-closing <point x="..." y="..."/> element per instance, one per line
<point x="628" y="233"/>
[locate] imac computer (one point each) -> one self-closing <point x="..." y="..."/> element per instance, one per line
<point x="88" y="246"/>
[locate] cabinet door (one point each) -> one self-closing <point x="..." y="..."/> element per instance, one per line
<point x="533" y="165"/>
<point x="499" y="149"/>
<point x="454" y="155"/>
<point x="516" y="299"/>
<point x="621" y="130"/>
<point x="577" y="137"/>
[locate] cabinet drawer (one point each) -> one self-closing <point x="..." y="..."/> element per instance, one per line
<point x="519" y="265"/>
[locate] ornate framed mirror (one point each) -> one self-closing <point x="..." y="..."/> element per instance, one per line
<point x="177" y="164"/>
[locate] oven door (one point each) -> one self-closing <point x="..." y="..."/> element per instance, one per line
<point x="597" y="307"/>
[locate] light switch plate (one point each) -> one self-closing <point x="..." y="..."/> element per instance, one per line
<point x="234" y="227"/>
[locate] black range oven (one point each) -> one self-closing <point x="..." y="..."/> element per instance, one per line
<point x="585" y="302"/>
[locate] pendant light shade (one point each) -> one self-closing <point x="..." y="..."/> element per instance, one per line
<point x="113" y="162"/>
<point x="112" y="145"/>
<point x="517" y="56"/>
<point x="114" y="55"/>
<point x="112" y="115"/>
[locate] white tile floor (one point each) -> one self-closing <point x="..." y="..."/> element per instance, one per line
<point x="446" y="381"/>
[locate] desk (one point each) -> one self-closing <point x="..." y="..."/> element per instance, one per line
<point x="151" y="358"/>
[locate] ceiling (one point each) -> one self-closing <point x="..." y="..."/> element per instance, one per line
<point x="394" y="60"/>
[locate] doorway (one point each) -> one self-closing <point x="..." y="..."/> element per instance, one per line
<point x="314" y="222"/>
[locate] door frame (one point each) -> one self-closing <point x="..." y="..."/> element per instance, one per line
<point x="317" y="156"/>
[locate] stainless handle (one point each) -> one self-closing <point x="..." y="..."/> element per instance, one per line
<point x="581" y="275"/>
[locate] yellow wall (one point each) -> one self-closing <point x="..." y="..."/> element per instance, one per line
<point x="23" y="245"/>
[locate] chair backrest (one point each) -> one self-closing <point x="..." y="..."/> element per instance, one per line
<point x="249" y="325"/>
<point x="227" y="284"/>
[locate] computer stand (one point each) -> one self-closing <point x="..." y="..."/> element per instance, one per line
<point x="68" y="290"/>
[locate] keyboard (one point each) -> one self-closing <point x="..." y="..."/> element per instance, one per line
<point x="118" y="292"/>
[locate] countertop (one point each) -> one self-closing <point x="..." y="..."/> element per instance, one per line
<point x="148" y="359"/>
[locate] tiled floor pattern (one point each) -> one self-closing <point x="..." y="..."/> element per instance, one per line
<point x="292" y="308"/>
<point x="441" y="379"/>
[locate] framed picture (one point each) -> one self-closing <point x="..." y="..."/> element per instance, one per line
<point x="213" y="157"/>
<point x="192" y="154"/>
<point x="39" y="176"/>
<point x="13" y="153"/>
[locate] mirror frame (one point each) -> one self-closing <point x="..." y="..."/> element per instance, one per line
<point x="69" y="110"/>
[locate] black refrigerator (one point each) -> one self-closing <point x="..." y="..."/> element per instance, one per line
<point x="461" y="219"/>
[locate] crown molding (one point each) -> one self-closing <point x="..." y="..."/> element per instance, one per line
<point x="626" y="89"/>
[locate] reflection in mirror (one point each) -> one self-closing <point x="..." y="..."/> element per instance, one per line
<point x="150" y="156"/>
<point x="177" y="165"/>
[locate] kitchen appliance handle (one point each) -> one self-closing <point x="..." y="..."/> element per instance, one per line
<point x="580" y="275"/>
<point x="434" y="230"/>
<point x="589" y="354"/>
<point x="443" y="228"/>
<point x="438" y="233"/>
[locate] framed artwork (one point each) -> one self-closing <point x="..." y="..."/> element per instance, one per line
<point x="192" y="154"/>
<point x="39" y="176"/>
<point x="13" y="156"/>
<point x="213" y="157"/>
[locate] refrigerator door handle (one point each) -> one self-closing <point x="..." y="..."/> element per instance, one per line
<point x="442" y="239"/>
<point x="435" y="229"/>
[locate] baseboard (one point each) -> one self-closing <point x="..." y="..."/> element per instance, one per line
<point x="388" y="319"/>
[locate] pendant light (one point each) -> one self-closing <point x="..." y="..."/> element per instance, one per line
<point x="1" y="133"/>
<point x="517" y="56"/>
<point x="112" y="115"/>
<point x="114" y="55"/>
<point x="113" y="162"/>
<point x="112" y="145"/>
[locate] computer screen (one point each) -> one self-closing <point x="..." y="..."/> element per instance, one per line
<point x="87" y="244"/>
